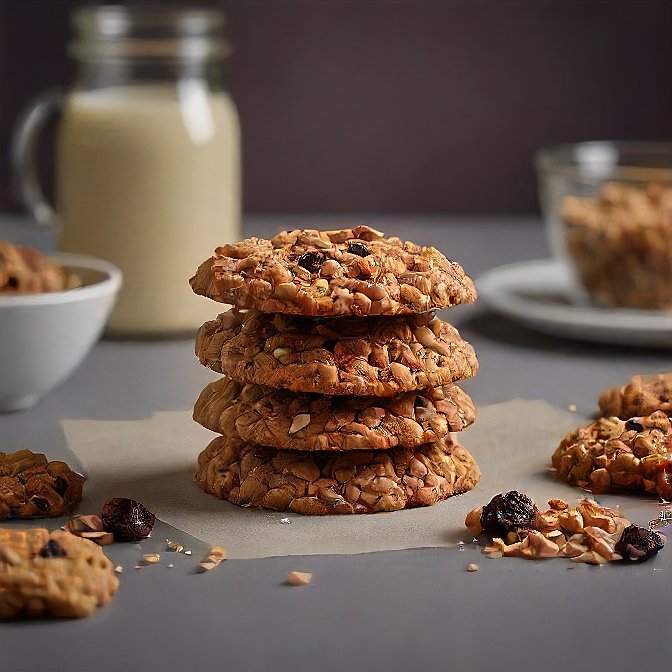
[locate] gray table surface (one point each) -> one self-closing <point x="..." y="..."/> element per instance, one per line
<point x="416" y="609"/>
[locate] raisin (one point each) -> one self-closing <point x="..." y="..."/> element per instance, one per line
<point x="361" y="250"/>
<point x="311" y="261"/>
<point x="127" y="519"/>
<point x="638" y="544"/>
<point x="41" y="504"/>
<point x="52" y="549"/>
<point x="510" y="512"/>
<point x="60" y="486"/>
<point x="633" y="425"/>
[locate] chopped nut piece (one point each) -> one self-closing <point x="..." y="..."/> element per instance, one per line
<point x="557" y="504"/>
<point x="473" y="567"/>
<point x="151" y="558"/>
<point x="473" y="521"/>
<point x="535" y="545"/>
<point x="571" y="520"/>
<point x="118" y="569"/>
<point x="174" y="546"/>
<point x="299" y="422"/>
<point x="299" y="578"/>
<point x="101" y="538"/>
<point x="213" y="559"/>
<point x="84" y="523"/>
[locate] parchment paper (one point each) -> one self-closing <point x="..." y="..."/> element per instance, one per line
<point x="154" y="461"/>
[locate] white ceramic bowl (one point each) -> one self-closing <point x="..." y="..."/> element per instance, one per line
<point x="45" y="337"/>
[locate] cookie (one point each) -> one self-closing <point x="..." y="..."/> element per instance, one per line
<point x="55" y="574"/>
<point x="321" y="483"/>
<point x="643" y="395"/>
<point x="610" y="454"/>
<point x="281" y="419"/>
<point x="33" y="487"/>
<point x="328" y="273"/>
<point x="25" y="270"/>
<point x="380" y="356"/>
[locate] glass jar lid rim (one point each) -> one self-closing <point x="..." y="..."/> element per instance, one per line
<point x="120" y="21"/>
<point x="148" y="31"/>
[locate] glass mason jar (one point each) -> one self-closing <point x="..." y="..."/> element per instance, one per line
<point x="148" y="158"/>
<point x="608" y="212"/>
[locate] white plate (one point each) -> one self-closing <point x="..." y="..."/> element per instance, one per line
<point x="535" y="293"/>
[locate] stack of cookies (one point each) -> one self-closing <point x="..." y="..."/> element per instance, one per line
<point x="338" y="393"/>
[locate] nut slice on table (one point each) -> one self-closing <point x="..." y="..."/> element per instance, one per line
<point x="33" y="487"/>
<point x="319" y="483"/>
<point x="57" y="574"/>
<point x="349" y="272"/>
<point x="642" y="395"/>
<point x="381" y="356"/>
<point x="311" y="422"/>
<point x="611" y="454"/>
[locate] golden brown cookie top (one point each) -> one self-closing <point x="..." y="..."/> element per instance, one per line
<point x="348" y="272"/>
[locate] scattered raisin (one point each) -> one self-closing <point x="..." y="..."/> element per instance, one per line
<point x="632" y="424"/>
<point x="361" y="250"/>
<point x="41" y="504"/>
<point x="638" y="544"/>
<point x="52" y="549"/>
<point x="311" y="261"/>
<point x="61" y="485"/>
<point x="510" y="512"/>
<point x="127" y="519"/>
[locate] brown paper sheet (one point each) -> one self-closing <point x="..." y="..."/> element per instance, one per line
<point x="154" y="460"/>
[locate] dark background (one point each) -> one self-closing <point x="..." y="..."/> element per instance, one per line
<point x="413" y="106"/>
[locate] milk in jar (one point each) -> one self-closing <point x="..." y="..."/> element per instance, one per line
<point x="148" y="177"/>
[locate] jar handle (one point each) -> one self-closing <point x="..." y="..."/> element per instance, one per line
<point x="24" y="142"/>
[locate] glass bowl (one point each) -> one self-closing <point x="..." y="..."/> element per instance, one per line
<point x="608" y="213"/>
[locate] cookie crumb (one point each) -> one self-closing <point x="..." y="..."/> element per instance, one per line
<point x="151" y="558"/>
<point x="473" y="567"/>
<point x="299" y="578"/>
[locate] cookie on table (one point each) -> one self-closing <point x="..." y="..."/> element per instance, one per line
<point x="281" y="419"/>
<point x="643" y="395"/>
<point x="55" y="574"/>
<point x="33" y="487"/>
<point x="335" y="483"/>
<point x="611" y="454"/>
<point x="381" y="356"/>
<point x="327" y="273"/>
